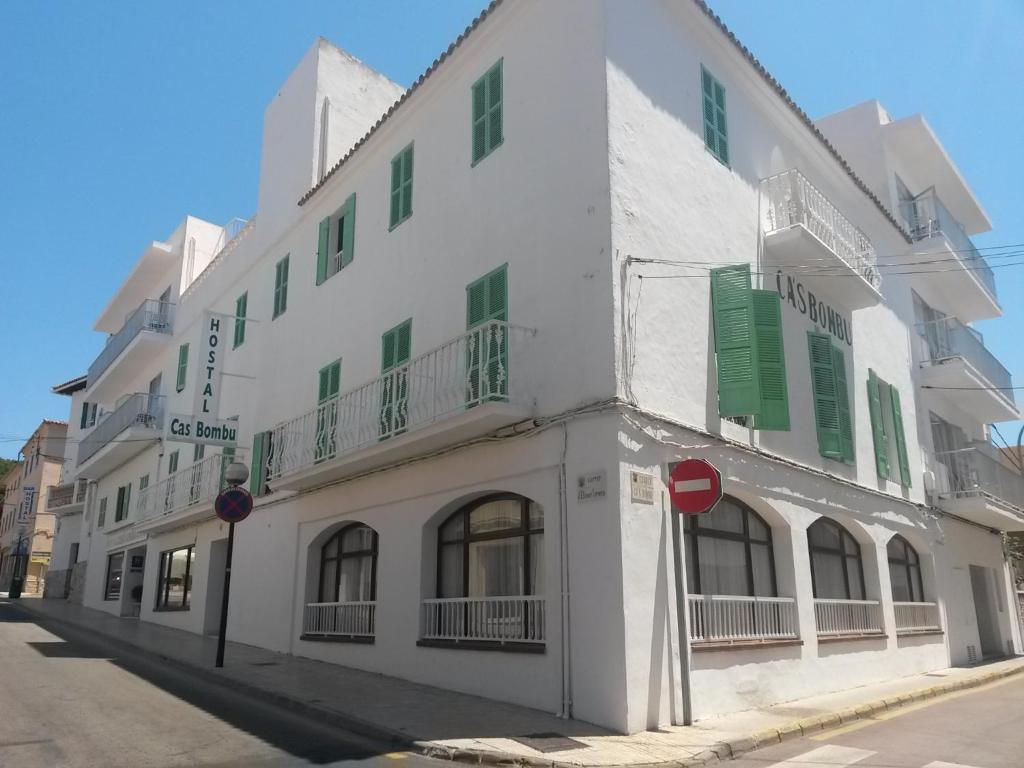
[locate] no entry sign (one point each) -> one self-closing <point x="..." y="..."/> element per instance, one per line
<point x="695" y="486"/>
<point x="233" y="505"/>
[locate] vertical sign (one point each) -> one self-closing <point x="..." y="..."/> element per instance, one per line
<point x="207" y="400"/>
<point x="27" y="503"/>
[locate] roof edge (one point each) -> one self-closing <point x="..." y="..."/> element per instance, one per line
<point x="71" y="386"/>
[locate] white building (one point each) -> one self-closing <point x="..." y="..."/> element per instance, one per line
<point x="454" y="394"/>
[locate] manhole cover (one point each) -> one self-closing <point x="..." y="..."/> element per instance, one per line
<point x="549" y="742"/>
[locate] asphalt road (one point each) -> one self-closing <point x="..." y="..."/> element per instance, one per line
<point x="66" y="701"/>
<point x="977" y="728"/>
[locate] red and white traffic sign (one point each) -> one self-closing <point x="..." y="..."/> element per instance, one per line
<point x="694" y="486"/>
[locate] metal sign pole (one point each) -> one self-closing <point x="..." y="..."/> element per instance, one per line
<point x="224" y="602"/>
<point x="682" y="615"/>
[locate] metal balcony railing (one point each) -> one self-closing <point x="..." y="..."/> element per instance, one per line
<point x="483" y="365"/>
<point x="235" y="231"/>
<point x="730" y="618"/>
<point x="949" y="338"/>
<point x="971" y="473"/>
<point x="152" y="315"/>
<point x="792" y="200"/>
<point x="138" y="410"/>
<point x="848" y="617"/>
<point x="185" y="488"/>
<point x="351" y="619"/>
<point x="65" y="495"/>
<point x="917" y="617"/>
<point x="495" y="619"/>
<point x="926" y="216"/>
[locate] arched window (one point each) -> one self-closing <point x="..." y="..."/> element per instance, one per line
<point x="492" y="547"/>
<point x="836" y="568"/>
<point x="730" y="552"/>
<point x="904" y="571"/>
<point x="348" y="565"/>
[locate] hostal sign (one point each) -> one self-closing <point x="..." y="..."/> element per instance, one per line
<point x="203" y="425"/>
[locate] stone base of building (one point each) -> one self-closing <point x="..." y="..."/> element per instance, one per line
<point x="56" y="586"/>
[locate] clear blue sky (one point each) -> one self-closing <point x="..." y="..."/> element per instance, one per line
<point x="118" y="118"/>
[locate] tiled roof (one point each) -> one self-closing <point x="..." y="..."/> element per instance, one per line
<point x="70" y="386"/>
<point x="758" y="66"/>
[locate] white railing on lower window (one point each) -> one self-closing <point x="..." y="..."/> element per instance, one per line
<point x="352" y="619"/>
<point x="916" y="617"/>
<point x="187" y="487"/>
<point x="848" y="617"/>
<point x="497" y="619"/>
<point x="728" y="618"/>
<point x="486" y="364"/>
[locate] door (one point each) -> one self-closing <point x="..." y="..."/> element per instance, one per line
<point x="487" y="338"/>
<point x="153" y="404"/>
<point x="396" y="348"/>
<point x="985" y="610"/>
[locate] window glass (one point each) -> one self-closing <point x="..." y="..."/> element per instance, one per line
<point x="356" y="579"/>
<point x="729" y="552"/>
<point x="453" y="529"/>
<point x="347" y="565"/>
<point x="724" y="517"/>
<point x="450" y="573"/>
<point x="328" y="580"/>
<point x="723" y="567"/>
<point x="115" y="572"/>
<point x="537" y="564"/>
<point x="174" y="583"/>
<point x="356" y="538"/>
<point x="853" y="573"/>
<point x="823" y="534"/>
<point x="900" y="585"/>
<point x="496" y="516"/>
<point x="895" y="549"/>
<point x="761" y="565"/>
<point x="829" y="582"/>
<point x="496" y="568"/>
<point x="757" y="529"/>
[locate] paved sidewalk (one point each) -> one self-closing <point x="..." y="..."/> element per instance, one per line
<point x="472" y="729"/>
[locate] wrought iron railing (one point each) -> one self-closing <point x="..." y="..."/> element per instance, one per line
<point x="848" y="617"/>
<point x="152" y="315"/>
<point x="730" y="618"/>
<point x="351" y="619"/>
<point x="949" y="338"/>
<point x="138" y="410"/>
<point x="495" y="619"/>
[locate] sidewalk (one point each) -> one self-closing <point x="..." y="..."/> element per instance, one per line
<point x="457" y="726"/>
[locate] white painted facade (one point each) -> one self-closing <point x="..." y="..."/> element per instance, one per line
<point x="608" y="212"/>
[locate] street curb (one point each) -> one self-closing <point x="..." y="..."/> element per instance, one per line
<point x="718" y="752"/>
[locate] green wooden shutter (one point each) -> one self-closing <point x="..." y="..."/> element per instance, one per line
<point x="281" y="286"/>
<point x="241" y="307"/>
<point x="396" y="190"/>
<point x="476" y="303"/>
<point x="497" y="294"/>
<point x="348" y="236"/>
<point x="843" y="401"/>
<point x="119" y="505"/>
<point x="715" y="128"/>
<point x="322" y="248"/>
<point x="487" y="123"/>
<point x="256" y="473"/>
<point x="771" y="359"/>
<point x="403" y="343"/>
<point x="823" y="390"/>
<point x="322" y="386"/>
<point x="127" y="500"/>
<point x="387" y="351"/>
<point x="182" y="367"/>
<point x="407" y="183"/>
<point x="479" y="97"/>
<point x="879" y="437"/>
<point x="494" y="107"/>
<point x="739" y="392"/>
<point x="901" y="438"/>
<point x="172" y="463"/>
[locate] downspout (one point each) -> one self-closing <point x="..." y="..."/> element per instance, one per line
<point x="563" y="556"/>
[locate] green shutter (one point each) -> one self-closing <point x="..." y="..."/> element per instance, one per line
<point x="901" y="439"/>
<point x="407" y="183"/>
<point x="172" y="463"/>
<point x="119" y="506"/>
<point x="396" y="190"/>
<point x="716" y="135"/>
<point x="479" y="97"/>
<point x="823" y="390"/>
<point x="403" y="343"/>
<point x="329" y="381"/>
<point x="739" y="392"/>
<point x="494" y="107"/>
<point x="281" y="287"/>
<point x="387" y="351"/>
<point x="322" y="385"/>
<point x="771" y="359"/>
<point x="401" y="186"/>
<point x="487" y="124"/>
<point x="241" y="307"/>
<point x="127" y="500"/>
<point x="843" y="401"/>
<point x="322" y="246"/>
<point x="182" y="367"/>
<point x="881" y="440"/>
<point x="256" y="473"/>
<point x="348" y="236"/>
<point x="476" y="303"/>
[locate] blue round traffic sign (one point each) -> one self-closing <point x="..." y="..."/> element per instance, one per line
<point x="233" y="505"/>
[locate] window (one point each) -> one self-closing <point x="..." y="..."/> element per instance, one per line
<point x="749" y="351"/>
<point x="836" y="568"/>
<point x="261" y="454"/>
<point x="336" y="241"/>
<point x="904" y="571"/>
<point x="182" y="367"/>
<point x="280" y="287"/>
<point x="115" y="571"/>
<point x="328" y="385"/>
<point x="396" y="349"/>
<point x="101" y="517"/>
<point x="85" y="416"/>
<point x="729" y="552"/>
<point x="401" y="187"/>
<point x="172" y="462"/>
<point x="174" y="580"/>
<point x="886" y="420"/>
<point x="143" y="483"/>
<point x="123" y="499"/>
<point x="241" y="306"/>
<point x="831" y="398"/>
<point x="716" y="134"/>
<point x="493" y="547"/>
<point x="348" y="566"/>
<point x="198" y="452"/>
<point x="488" y="131"/>
<point x="487" y="313"/>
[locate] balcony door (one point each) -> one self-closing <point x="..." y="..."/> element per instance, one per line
<point x="950" y="441"/>
<point x="487" y="350"/>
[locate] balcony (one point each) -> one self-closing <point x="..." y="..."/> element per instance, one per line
<point x="973" y="484"/>
<point x="146" y="331"/>
<point x="725" y="620"/>
<point x="805" y="234"/>
<point x="484" y="620"/>
<point x="68" y="498"/>
<point x="955" y="276"/>
<point x="125" y="432"/>
<point x="954" y="357"/>
<point x="466" y="388"/>
<point x="840" y="619"/>
<point x="182" y="498"/>
<point x="328" y="621"/>
<point x="917" y="618"/>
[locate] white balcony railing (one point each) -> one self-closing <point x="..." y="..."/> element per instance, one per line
<point x="917" y="617"/>
<point x="138" y="410"/>
<point x="793" y="200"/>
<point x="729" y="618"/>
<point x="352" y="619"/>
<point x="848" y="617"/>
<point x="198" y="484"/>
<point x="152" y="315"/>
<point x="66" y="495"/>
<point x="494" y="619"/>
<point x="948" y="338"/>
<point x="971" y="473"/>
<point x="483" y="365"/>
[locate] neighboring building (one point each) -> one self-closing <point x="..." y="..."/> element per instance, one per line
<point x="26" y="536"/>
<point x="594" y="238"/>
<point x="10" y="484"/>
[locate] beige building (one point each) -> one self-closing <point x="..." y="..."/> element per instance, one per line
<point x="26" y="528"/>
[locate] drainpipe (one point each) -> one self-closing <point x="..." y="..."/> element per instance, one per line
<point x="563" y="557"/>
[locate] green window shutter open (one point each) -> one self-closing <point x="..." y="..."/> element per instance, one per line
<point x="843" y="401"/>
<point x="487" y="128"/>
<point x="281" y="287"/>
<point x="716" y="134"/>
<point x="256" y="473"/>
<point x="823" y="390"/>
<point x="739" y="391"/>
<point x="476" y="303"/>
<point x="348" y="235"/>
<point x="771" y="358"/>
<point x="172" y="463"/>
<point x="241" y="307"/>
<point x="880" y="438"/>
<point x="182" y="367"/>
<point x="401" y="186"/>
<point x="396" y="346"/>
<point x="901" y="438"/>
<point x="329" y="381"/>
<point x="322" y="246"/>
